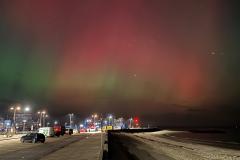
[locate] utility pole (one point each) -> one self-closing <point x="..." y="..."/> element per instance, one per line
<point x="70" y="119"/>
<point x="44" y="120"/>
<point x="40" y="120"/>
<point x="42" y="115"/>
<point x="15" y="109"/>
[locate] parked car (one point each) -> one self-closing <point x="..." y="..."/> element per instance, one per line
<point x="69" y="131"/>
<point x="47" y="131"/>
<point x="83" y="130"/>
<point x="59" y="130"/>
<point x="33" y="137"/>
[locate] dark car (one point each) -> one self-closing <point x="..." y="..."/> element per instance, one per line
<point x="33" y="137"/>
<point x="59" y="130"/>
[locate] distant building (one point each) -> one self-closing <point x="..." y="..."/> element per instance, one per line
<point x="24" y="119"/>
<point x="20" y="117"/>
<point x="118" y="123"/>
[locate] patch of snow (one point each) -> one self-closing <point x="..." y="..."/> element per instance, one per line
<point x="185" y="150"/>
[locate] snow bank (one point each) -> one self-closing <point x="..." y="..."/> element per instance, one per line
<point x="185" y="150"/>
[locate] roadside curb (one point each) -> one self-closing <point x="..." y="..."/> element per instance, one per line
<point x="104" y="146"/>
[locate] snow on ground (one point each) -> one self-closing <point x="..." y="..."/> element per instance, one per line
<point x="16" y="136"/>
<point x="163" y="132"/>
<point x="185" y="150"/>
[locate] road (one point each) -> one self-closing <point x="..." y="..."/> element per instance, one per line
<point x="53" y="148"/>
<point x="121" y="146"/>
<point x="152" y="146"/>
<point x="3" y="138"/>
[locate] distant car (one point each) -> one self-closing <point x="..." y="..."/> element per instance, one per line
<point x="69" y="131"/>
<point x="47" y="131"/>
<point x="33" y="137"/>
<point x="75" y="131"/>
<point x="83" y="130"/>
<point x="59" y="130"/>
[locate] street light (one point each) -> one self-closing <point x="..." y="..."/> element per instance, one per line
<point x="131" y="119"/>
<point x="70" y="119"/>
<point x="110" y="117"/>
<point x="88" y="120"/>
<point x="26" y="109"/>
<point x="56" y="122"/>
<point x="15" y="109"/>
<point x="105" y="122"/>
<point x="94" y="116"/>
<point x="42" y="116"/>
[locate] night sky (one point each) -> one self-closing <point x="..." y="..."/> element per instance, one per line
<point x="169" y="62"/>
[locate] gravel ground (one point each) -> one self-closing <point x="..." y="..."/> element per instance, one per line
<point x="185" y="150"/>
<point x="126" y="147"/>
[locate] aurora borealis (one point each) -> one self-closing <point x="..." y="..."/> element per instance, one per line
<point x="161" y="59"/>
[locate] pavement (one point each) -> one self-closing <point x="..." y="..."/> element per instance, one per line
<point x="80" y="147"/>
<point x="16" y="136"/>
<point x="88" y="148"/>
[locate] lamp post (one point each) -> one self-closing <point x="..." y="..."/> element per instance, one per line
<point x="70" y="119"/>
<point x="41" y="118"/>
<point x="88" y="122"/>
<point x="26" y="109"/>
<point x="15" y="109"/>
<point x="94" y="116"/>
<point x="24" y="124"/>
<point x="44" y="119"/>
<point x="131" y="119"/>
<point x="110" y="119"/>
